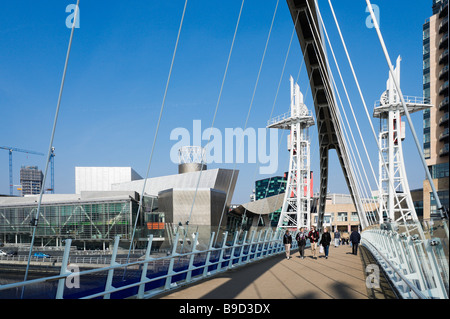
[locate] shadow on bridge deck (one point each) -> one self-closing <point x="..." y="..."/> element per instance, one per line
<point x="341" y="276"/>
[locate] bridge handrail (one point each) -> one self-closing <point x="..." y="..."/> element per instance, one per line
<point x="266" y="244"/>
<point x="416" y="291"/>
<point x="416" y="257"/>
<point x="409" y="100"/>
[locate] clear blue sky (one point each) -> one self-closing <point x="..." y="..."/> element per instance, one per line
<point x="119" y="65"/>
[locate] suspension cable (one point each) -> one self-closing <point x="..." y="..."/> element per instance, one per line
<point x="34" y="222"/>
<point x="157" y="127"/>
<point x="248" y="115"/>
<point x="350" y="104"/>
<point x="215" y="115"/>
<point x="365" y="106"/>
<point x="408" y="117"/>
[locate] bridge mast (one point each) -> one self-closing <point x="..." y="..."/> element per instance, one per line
<point x="394" y="195"/>
<point x="295" y="212"/>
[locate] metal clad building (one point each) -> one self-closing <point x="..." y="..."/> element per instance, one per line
<point x="101" y="178"/>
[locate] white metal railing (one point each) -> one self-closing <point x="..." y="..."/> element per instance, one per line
<point x="286" y="116"/>
<point x="417" y="266"/>
<point x="409" y="100"/>
<point x="180" y="268"/>
<point x="92" y="260"/>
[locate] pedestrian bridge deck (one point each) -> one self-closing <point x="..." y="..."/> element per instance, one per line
<point x="341" y="276"/>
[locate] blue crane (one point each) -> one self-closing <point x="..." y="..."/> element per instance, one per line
<point x="11" y="150"/>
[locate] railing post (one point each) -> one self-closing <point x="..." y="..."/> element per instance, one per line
<point x="208" y="255"/>
<point x="264" y="248"/>
<point x="242" y="254"/>
<point x="64" y="271"/>
<point x="191" y="259"/>
<point x="170" y="271"/>
<point x="250" y="246"/>
<point x="440" y="286"/>
<point x="110" y="277"/>
<point x="233" y="250"/>
<point x="222" y="251"/>
<point x="141" y="290"/>
<point x="417" y="271"/>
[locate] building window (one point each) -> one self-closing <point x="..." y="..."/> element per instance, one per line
<point x="354" y="217"/>
<point x="426" y="48"/>
<point x="418" y="206"/>
<point x="426" y="64"/>
<point x="342" y="217"/>
<point x="439" y="171"/>
<point x="443" y="197"/>
<point x="426" y="33"/>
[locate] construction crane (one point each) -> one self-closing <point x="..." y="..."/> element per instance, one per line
<point x="11" y="150"/>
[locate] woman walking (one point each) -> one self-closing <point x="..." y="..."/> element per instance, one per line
<point x="325" y="241"/>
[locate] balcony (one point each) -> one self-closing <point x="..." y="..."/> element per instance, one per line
<point x="443" y="25"/>
<point x="443" y="88"/>
<point x="443" y="43"/>
<point x="443" y="119"/>
<point x="443" y="104"/>
<point x="443" y="57"/>
<point x="444" y="151"/>
<point x="444" y="135"/>
<point x="443" y="11"/>
<point x="444" y="73"/>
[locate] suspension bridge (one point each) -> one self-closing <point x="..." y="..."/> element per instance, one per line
<point x="413" y="259"/>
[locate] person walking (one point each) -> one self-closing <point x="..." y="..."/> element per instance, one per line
<point x="325" y="241"/>
<point x="355" y="238"/>
<point x="337" y="237"/>
<point x="287" y="241"/>
<point x="301" y="240"/>
<point x="313" y="239"/>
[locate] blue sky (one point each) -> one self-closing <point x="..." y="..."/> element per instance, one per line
<point x="119" y="65"/>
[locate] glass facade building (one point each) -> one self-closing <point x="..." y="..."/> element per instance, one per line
<point x="270" y="187"/>
<point x="93" y="221"/>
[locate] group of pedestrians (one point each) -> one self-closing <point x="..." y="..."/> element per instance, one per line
<point x="315" y="240"/>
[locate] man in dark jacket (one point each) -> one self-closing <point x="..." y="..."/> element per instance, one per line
<point x="313" y="239"/>
<point x="287" y="241"/>
<point x="355" y="238"/>
<point x="325" y="241"/>
<point x="301" y="240"/>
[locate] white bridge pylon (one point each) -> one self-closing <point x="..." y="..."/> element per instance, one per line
<point x="295" y="212"/>
<point x="394" y="195"/>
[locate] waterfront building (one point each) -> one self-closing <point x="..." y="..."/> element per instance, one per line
<point x="195" y="200"/>
<point x="88" y="179"/>
<point x="436" y="119"/>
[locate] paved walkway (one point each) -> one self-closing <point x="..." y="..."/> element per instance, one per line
<point x="341" y="276"/>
